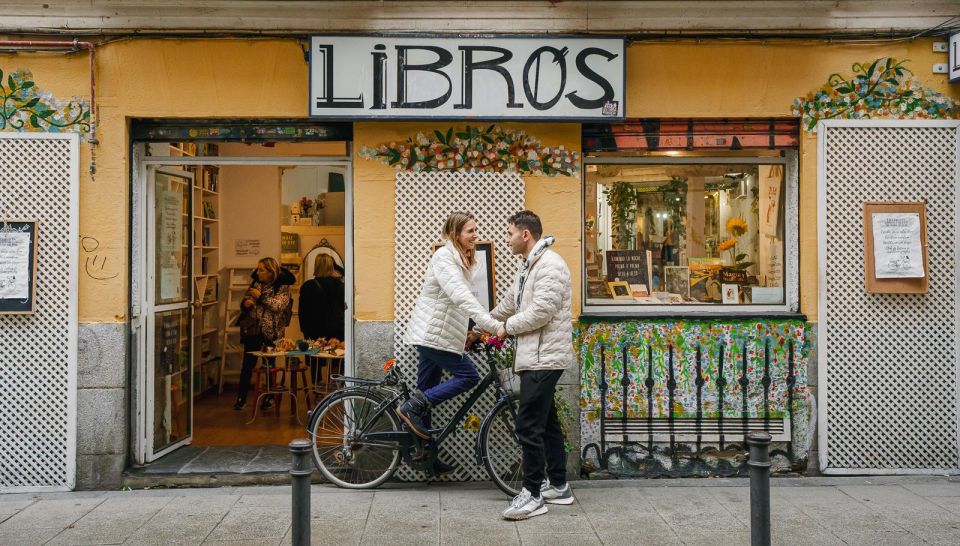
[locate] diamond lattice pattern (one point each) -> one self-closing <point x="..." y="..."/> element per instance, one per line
<point x="423" y="201"/>
<point x="892" y="358"/>
<point x="35" y="359"/>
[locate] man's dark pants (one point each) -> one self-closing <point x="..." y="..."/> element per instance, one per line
<point x="538" y="430"/>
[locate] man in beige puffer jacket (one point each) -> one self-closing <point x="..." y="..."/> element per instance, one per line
<point x="537" y="311"/>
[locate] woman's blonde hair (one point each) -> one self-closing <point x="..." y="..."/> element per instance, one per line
<point x="272" y="267"/>
<point x="323" y="266"/>
<point x="451" y="231"/>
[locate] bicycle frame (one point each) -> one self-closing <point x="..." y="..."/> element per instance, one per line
<point x="389" y="397"/>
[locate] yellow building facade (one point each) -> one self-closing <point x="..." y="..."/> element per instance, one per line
<point x="264" y="79"/>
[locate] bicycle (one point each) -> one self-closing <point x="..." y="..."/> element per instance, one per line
<point x="359" y="441"/>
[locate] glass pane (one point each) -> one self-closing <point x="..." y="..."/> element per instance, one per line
<point x="684" y="234"/>
<point x="171" y="374"/>
<point x="172" y="260"/>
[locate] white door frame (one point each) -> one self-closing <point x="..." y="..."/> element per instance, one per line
<point x="140" y="267"/>
<point x="823" y="360"/>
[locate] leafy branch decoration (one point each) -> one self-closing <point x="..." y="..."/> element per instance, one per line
<point x="881" y="89"/>
<point x="25" y="107"/>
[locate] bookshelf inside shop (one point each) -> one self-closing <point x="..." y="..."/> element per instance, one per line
<point x="206" y="266"/>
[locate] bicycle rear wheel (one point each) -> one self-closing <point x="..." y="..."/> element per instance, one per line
<point x="500" y="450"/>
<point x="340" y="449"/>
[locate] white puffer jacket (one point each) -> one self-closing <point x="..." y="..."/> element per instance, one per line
<point x="543" y="322"/>
<point x="442" y="311"/>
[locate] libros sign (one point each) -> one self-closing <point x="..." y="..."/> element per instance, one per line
<point x="483" y="77"/>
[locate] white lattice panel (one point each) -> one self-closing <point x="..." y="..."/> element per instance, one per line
<point x="889" y="362"/>
<point x="38" y="352"/>
<point x="423" y="201"/>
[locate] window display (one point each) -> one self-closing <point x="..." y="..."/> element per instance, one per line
<point x="684" y="231"/>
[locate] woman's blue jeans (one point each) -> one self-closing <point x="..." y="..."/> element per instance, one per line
<point x="432" y="364"/>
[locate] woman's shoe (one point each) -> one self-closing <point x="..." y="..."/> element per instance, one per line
<point x="266" y="403"/>
<point x="239" y="404"/>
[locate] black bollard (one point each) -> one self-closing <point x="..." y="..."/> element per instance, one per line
<point x="300" y="478"/>
<point x="759" y="462"/>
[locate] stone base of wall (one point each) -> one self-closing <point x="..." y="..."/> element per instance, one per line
<point x="102" y="405"/>
<point x="683" y="462"/>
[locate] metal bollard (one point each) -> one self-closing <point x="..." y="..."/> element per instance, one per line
<point x="759" y="462"/>
<point x="300" y="478"/>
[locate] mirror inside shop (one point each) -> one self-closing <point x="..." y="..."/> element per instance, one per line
<point x="684" y="234"/>
<point x="259" y="278"/>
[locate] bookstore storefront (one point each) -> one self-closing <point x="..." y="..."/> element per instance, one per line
<point x="679" y="179"/>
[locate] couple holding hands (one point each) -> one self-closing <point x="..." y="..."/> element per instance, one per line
<point x="536" y="310"/>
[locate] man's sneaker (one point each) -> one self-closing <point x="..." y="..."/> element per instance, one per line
<point x="556" y="495"/>
<point x="525" y="506"/>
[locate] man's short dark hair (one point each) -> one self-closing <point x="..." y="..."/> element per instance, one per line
<point x="528" y="220"/>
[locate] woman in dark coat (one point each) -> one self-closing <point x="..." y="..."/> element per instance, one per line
<point x="321" y="302"/>
<point x="264" y="316"/>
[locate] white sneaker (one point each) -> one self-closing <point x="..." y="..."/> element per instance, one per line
<point x="556" y="495"/>
<point x="525" y="506"/>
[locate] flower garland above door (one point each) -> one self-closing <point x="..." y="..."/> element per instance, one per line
<point x="476" y="149"/>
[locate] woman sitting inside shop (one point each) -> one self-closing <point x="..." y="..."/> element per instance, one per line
<point x="321" y="301"/>
<point x="264" y="314"/>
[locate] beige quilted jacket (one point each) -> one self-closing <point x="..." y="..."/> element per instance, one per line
<point x="543" y="322"/>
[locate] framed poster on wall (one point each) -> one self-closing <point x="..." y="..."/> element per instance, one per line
<point x="485" y="282"/>
<point x="895" y="247"/>
<point x="18" y="266"/>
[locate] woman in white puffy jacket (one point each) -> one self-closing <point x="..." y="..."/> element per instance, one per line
<point x="439" y="323"/>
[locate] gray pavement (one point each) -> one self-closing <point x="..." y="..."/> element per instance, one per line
<point x="873" y="511"/>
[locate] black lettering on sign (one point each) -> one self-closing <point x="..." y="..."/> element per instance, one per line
<point x="627" y="265"/>
<point x="444" y="58"/>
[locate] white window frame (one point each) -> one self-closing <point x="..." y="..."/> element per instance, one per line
<point x="791" y="251"/>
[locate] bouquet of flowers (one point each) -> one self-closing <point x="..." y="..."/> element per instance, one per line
<point x="305" y="205"/>
<point x="503" y="352"/>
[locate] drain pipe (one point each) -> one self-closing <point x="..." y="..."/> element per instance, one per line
<point x="75" y="45"/>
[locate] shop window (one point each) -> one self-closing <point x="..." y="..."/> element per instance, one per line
<point x="679" y="234"/>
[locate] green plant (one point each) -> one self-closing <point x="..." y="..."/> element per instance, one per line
<point x="622" y="199"/>
<point x="675" y="197"/>
<point x="565" y="416"/>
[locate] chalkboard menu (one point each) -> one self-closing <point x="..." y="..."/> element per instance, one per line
<point x="18" y="266"/>
<point x="627" y="265"/>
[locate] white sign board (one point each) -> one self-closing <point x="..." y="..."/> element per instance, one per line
<point x="246" y="247"/>
<point x="897" y="250"/>
<point x="14" y="265"/>
<point x="170" y="200"/>
<point x="575" y="78"/>
<point x="954" y="67"/>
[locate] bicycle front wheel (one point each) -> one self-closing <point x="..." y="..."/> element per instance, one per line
<point x="500" y="449"/>
<point x="341" y="450"/>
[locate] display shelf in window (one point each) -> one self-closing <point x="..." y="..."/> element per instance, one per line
<point x="670" y="233"/>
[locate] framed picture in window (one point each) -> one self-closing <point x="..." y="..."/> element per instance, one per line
<point x="620" y="290"/>
<point x="677" y="279"/>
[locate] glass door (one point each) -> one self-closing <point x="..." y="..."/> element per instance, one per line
<point x="169" y="363"/>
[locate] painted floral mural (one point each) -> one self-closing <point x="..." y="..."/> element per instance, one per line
<point x="770" y="382"/>
<point x="476" y="149"/>
<point x="24" y="106"/>
<point x="884" y="88"/>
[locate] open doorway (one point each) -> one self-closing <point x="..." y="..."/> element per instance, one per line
<point x="207" y="213"/>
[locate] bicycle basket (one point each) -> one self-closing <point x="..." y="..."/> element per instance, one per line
<point x="510" y="382"/>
